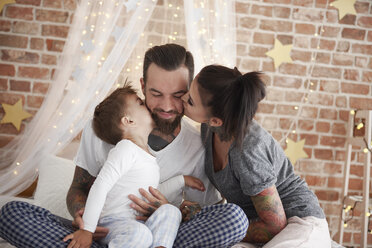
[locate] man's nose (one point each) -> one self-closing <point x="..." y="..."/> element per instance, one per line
<point x="168" y="104"/>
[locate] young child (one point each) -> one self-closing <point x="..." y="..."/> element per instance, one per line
<point x="123" y="120"/>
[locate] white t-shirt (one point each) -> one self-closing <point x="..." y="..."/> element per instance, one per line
<point x="183" y="156"/>
<point x="127" y="168"/>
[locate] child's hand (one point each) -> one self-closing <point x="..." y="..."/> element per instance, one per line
<point x="194" y="183"/>
<point x="79" y="239"/>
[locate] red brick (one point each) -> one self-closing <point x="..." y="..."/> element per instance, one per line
<point x="242" y="8"/>
<point x="310" y="139"/>
<point x="7" y="70"/>
<point x="322" y="127"/>
<point x="360" y="103"/>
<point x="25" y="28"/>
<point x="357" y="170"/>
<point x="300" y="55"/>
<point x="369" y="37"/>
<point x="40" y="88"/>
<point x="19" y="13"/>
<point x="8" y="128"/>
<point x="327" y="195"/>
<point x="262" y="10"/>
<point x="316" y="181"/>
<point x="250" y="64"/>
<point x="55" y="45"/>
<point x="57" y="31"/>
<point x="323" y="58"/>
<point x="37" y="44"/>
<point x="333" y="168"/>
<point x="348" y="19"/>
<point x="16" y="85"/>
<point x="5" y="25"/>
<point x="11" y="98"/>
<point x="281" y="12"/>
<point x="350" y="74"/>
<point x="361" y="7"/>
<point x="285" y="39"/>
<point x="257" y="51"/>
<point x="291" y="96"/>
<point x="332" y="17"/>
<point x="329" y="86"/>
<point x="307" y="14"/>
<point x="327" y="44"/>
<point x="343" y="46"/>
<point x="270" y="123"/>
<point x="29" y="2"/>
<point x="3" y="84"/>
<point x="268" y="66"/>
<point x="266" y="108"/>
<point x="332" y="141"/>
<point x="320" y="99"/>
<point x="71" y="4"/>
<point x="341" y="101"/>
<point x="242" y="35"/>
<point x="263" y="38"/>
<point x="367" y="76"/>
<point x="287" y="82"/>
<point x="330" y="31"/>
<point x="355" y="88"/>
<point x="329" y="114"/>
<point x="33" y="72"/>
<point x="361" y="48"/>
<point x="303" y="28"/>
<point x="34" y="101"/>
<point x="306" y="125"/>
<point x="321" y="3"/>
<point x="49" y="59"/>
<point x="56" y="4"/>
<point x="309" y="112"/>
<point x="286" y="109"/>
<point x="51" y="16"/>
<point x="248" y="22"/>
<point x="302" y="42"/>
<point x="342" y="59"/>
<point x="293" y="69"/>
<point x="5" y="139"/>
<point x="278" y="1"/>
<point x="344" y="115"/>
<point x="276" y="26"/>
<point x="285" y="123"/>
<point x="370" y="63"/>
<point x="19" y="56"/>
<point x="335" y="182"/>
<point x="13" y="41"/>
<point x="328" y="72"/>
<point x="365" y="21"/>
<point x="361" y="62"/>
<point x="304" y="3"/>
<point x="352" y="33"/>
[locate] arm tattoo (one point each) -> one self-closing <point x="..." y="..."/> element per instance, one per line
<point x="272" y="218"/>
<point x="192" y="211"/>
<point x="79" y="189"/>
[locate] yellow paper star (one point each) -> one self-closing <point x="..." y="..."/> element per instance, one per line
<point x="14" y="114"/>
<point x="344" y="7"/>
<point x="280" y="53"/>
<point x="5" y="2"/>
<point x="295" y="150"/>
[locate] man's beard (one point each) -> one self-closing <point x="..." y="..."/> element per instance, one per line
<point x="165" y="126"/>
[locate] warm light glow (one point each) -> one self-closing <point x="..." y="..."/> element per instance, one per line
<point x="365" y="150"/>
<point x="360" y="125"/>
<point x="18" y="163"/>
<point x="352" y="112"/>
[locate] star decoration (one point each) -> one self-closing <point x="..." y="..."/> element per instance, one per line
<point x="5" y="2"/>
<point x="295" y="150"/>
<point x="87" y="46"/>
<point x="130" y="5"/>
<point x="77" y="74"/>
<point x="118" y="31"/>
<point x="344" y="7"/>
<point x="14" y="114"/>
<point x="280" y="53"/>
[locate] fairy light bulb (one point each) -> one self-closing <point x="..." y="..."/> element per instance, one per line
<point x="365" y="150"/>
<point x="18" y="163"/>
<point x="368" y="214"/>
<point x="352" y="112"/>
<point x="345" y="224"/>
<point x="360" y="125"/>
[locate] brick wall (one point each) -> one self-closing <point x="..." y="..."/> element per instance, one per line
<point x="32" y="35"/>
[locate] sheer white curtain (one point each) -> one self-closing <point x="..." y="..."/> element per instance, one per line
<point x="101" y="39"/>
<point x="106" y="44"/>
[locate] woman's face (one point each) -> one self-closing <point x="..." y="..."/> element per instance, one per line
<point x="193" y="107"/>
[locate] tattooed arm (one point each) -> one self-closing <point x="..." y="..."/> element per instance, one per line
<point x="272" y="218"/>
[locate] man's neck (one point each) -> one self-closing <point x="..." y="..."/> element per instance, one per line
<point x="158" y="140"/>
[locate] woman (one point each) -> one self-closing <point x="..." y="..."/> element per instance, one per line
<point x="248" y="166"/>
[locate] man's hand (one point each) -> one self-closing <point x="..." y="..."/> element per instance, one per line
<point x="78" y="222"/>
<point x="194" y="183"/>
<point x="189" y="210"/>
<point x="79" y="239"/>
<point x="154" y="200"/>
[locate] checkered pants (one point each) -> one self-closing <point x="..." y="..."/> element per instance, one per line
<point x="27" y="226"/>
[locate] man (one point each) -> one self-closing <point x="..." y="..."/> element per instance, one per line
<point x="167" y="71"/>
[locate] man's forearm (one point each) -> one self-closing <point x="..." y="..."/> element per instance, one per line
<point x="260" y="232"/>
<point x="75" y="200"/>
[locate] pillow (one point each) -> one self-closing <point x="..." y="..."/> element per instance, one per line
<point x="55" y="177"/>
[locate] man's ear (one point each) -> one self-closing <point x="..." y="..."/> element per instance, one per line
<point x="126" y="121"/>
<point x="215" y="122"/>
<point x="142" y="85"/>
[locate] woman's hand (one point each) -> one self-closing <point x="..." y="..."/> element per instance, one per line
<point x="79" y="239"/>
<point x="189" y="210"/>
<point x="154" y="200"/>
<point x="194" y="183"/>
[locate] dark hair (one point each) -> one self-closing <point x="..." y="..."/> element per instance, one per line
<point x="169" y="57"/>
<point x="232" y="97"/>
<point x="108" y="114"/>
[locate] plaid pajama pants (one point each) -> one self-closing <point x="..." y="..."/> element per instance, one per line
<point x="27" y="226"/>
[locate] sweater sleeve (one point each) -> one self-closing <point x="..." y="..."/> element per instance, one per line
<point x="117" y="164"/>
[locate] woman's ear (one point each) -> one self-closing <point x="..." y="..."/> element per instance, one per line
<point x="215" y="122"/>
